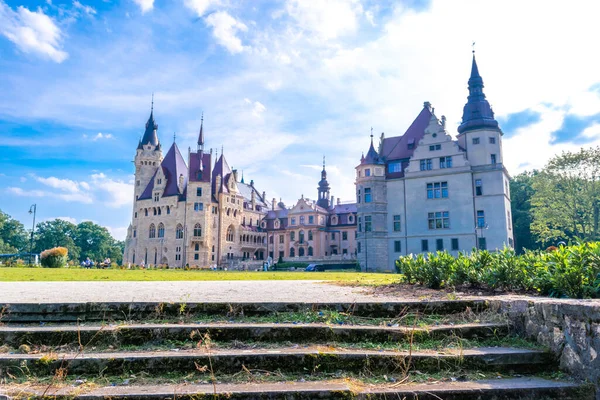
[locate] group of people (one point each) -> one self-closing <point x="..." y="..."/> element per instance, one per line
<point x="90" y="264"/>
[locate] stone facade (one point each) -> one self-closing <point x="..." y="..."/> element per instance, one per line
<point x="426" y="191"/>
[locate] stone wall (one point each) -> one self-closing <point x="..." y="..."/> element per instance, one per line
<point x="569" y="328"/>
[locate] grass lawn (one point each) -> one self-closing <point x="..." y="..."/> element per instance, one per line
<point x="77" y="274"/>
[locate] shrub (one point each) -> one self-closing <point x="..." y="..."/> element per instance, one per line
<point x="54" y="258"/>
<point x="572" y="271"/>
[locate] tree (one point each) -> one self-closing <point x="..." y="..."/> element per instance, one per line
<point x="94" y="241"/>
<point x="57" y="233"/>
<point x="566" y="202"/>
<point x="13" y="237"/>
<point x="521" y="192"/>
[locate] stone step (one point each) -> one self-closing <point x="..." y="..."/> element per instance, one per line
<point x="139" y="334"/>
<point x="140" y="311"/>
<point x="281" y="359"/>
<point x="498" y="389"/>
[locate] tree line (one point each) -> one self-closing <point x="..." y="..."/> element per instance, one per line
<point x="83" y="240"/>
<point x="558" y="203"/>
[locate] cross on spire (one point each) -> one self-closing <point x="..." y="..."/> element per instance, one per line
<point x="174" y="137"/>
<point x="473" y="46"/>
<point x="152" y="106"/>
<point x="323" y="162"/>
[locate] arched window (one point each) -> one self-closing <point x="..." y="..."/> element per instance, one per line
<point x="161" y="230"/>
<point x="152" y="231"/>
<point x="301" y="251"/>
<point x="145" y="212"/>
<point x="197" y="247"/>
<point x="179" y="232"/>
<point x="154" y="210"/>
<point x="133" y="258"/>
<point x="271" y="239"/>
<point x="155" y="256"/>
<point x="310" y="251"/>
<point x="310" y="236"/>
<point x="292" y="252"/>
<point x="168" y="210"/>
<point x="229" y="237"/>
<point x="292" y="236"/>
<point x="158" y="210"/>
<point x="197" y="230"/>
<point x="301" y="237"/>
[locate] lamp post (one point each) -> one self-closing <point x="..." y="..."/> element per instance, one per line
<point x="32" y="210"/>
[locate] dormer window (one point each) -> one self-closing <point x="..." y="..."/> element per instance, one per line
<point x="334" y="220"/>
<point x="395" y="166"/>
<point x="411" y="144"/>
<point x="159" y="181"/>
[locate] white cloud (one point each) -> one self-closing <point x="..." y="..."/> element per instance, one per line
<point x="225" y="29"/>
<point x="99" y="136"/>
<point x="86" y="9"/>
<point x="119" y="233"/>
<point x="33" y="32"/>
<point x="113" y="193"/>
<point x="145" y="5"/>
<point x="68" y="219"/>
<point x="257" y="107"/>
<point x="328" y="19"/>
<point x="200" y="7"/>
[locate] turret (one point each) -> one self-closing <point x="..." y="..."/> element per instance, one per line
<point x="323" y="189"/>
<point x="148" y="155"/>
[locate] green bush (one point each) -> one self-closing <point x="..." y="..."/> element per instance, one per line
<point x="572" y="271"/>
<point x="54" y="258"/>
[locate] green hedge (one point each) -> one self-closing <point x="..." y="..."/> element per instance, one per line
<point x="567" y="271"/>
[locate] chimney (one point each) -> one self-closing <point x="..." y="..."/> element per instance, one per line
<point x="235" y="175"/>
<point x="338" y="201"/>
<point x="331" y="202"/>
<point x="218" y="184"/>
<point x="264" y="196"/>
<point x="181" y="183"/>
<point x="273" y="204"/>
<point x="253" y="200"/>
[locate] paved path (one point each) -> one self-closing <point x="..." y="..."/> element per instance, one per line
<point x="183" y="291"/>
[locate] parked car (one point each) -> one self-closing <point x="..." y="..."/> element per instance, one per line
<point x="315" y="267"/>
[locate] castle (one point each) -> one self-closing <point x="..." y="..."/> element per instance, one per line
<point x="420" y="192"/>
<point x="424" y="191"/>
<point x="200" y="214"/>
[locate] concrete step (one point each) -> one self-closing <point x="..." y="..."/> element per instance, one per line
<point x="140" y="311"/>
<point x="283" y="359"/>
<point x="139" y="334"/>
<point x="499" y="389"/>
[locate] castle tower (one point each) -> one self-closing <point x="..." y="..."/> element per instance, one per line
<point x="371" y="197"/>
<point x="323" y="197"/>
<point x="148" y="155"/>
<point x="481" y="136"/>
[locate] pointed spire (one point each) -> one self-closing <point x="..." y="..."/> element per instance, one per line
<point x="242" y="181"/>
<point x="150" y="136"/>
<point x="201" y="134"/>
<point x="372" y="155"/>
<point x="477" y="113"/>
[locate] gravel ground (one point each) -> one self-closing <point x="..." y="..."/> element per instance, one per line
<point x="184" y="291"/>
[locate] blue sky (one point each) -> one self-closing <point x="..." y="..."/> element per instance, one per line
<point x="281" y="83"/>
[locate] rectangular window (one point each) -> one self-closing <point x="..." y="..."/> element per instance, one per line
<point x="435" y="147"/>
<point x="156" y="196"/>
<point x="367" y="195"/>
<point x="367" y="171"/>
<point x="199" y="192"/>
<point x="508" y="219"/>
<point x="439" y="244"/>
<point x="493" y="159"/>
<point x="196" y="256"/>
<point x="358" y="196"/>
<point x="397" y="246"/>
<point x="359" y="224"/>
<point x="302" y="220"/>
<point x="198" y="206"/>
<point x="438" y="220"/>
<point x="454" y="244"/>
<point x="397" y="226"/>
<point x="344" y="235"/>
<point x="437" y="190"/>
<point x="446" y="162"/>
<point x="332" y="235"/>
<point x="480" y="219"/>
<point x="367" y="223"/>
<point x="292" y="236"/>
<point x="395" y="166"/>
<point x="422" y="165"/>
<point x="475" y="140"/>
<point x="429" y="164"/>
<point x="492" y="140"/>
<point x="478" y="187"/>
<point x="411" y="144"/>
<point x="311" y="219"/>
<point x="358" y="249"/>
<point x="424" y="245"/>
<point x="281" y="239"/>
<point x="293" y="221"/>
<point x="482" y="243"/>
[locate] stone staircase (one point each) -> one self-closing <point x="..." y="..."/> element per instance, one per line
<point x="403" y="350"/>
